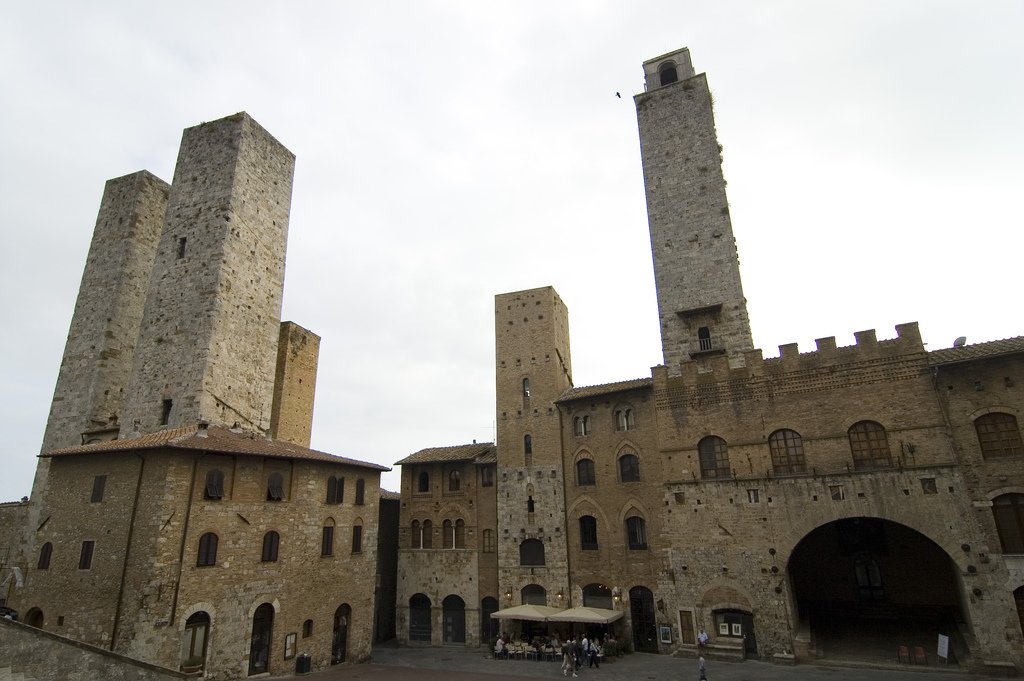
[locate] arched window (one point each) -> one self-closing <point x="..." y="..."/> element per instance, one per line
<point x="335" y="490"/>
<point x="448" y="534"/>
<point x="428" y="534"/>
<point x="588" y="533"/>
<point x="207" y="550"/>
<point x="667" y="73"/>
<point x="424" y="482"/>
<point x="327" y="539"/>
<point x="998" y="435"/>
<point x="488" y="541"/>
<point x="629" y="467"/>
<point x="415" y="536"/>
<point x="787" y="450"/>
<point x="527" y="444"/>
<point x="624" y="418"/>
<point x="636" y="533"/>
<point x="44" y="556"/>
<point x="530" y="504"/>
<point x="869" y="445"/>
<point x="581" y="425"/>
<point x="357" y="537"/>
<point x="275" y="487"/>
<point x="585" y="472"/>
<point x="597" y="596"/>
<point x="271" y="542"/>
<point x="1008" y="510"/>
<point x="214" y="485"/>
<point x="704" y="338"/>
<point x="534" y="594"/>
<point x="531" y="552"/>
<point x="460" y="534"/>
<point x="360" y="491"/>
<point x="714" y="458"/>
<point x="307" y="628"/>
<point x="454" y="481"/>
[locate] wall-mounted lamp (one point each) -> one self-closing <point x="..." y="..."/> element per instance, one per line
<point x="508" y="595"/>
<point x="561" y="595"/>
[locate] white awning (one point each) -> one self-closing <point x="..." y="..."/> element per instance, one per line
<point x="530" y="613"/>
<point x="586" y="615"/>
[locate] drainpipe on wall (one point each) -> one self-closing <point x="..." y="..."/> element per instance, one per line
<point x="127" y="550"/>
<point x="184" y="535"/>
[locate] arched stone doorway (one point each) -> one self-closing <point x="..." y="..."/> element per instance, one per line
<point x="193" y="642"/>
<point x="453" y="619"/>
<point x="641" y="609"/>
<point x="34" y="618"/>
<point x="865" y="586"/>
<point x="339" y="644"/>
<point x="488" y="627"/>
<point x="262" y="635"/>
<point x="419" y="618"/>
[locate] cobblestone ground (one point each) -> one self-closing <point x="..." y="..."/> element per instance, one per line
<point x="393" y="663"/>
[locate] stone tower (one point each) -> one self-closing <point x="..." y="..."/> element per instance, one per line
<point x="101" y="341"/>
<point x="207" y="346"/>
<point x="696" y="267"/>
<point x="533" y="369"/>
<point x="298" y="353"/>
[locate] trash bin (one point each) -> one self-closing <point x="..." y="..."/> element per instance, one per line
<point x="303" y="663"/>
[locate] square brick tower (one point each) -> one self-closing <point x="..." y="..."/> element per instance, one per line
<point x="696" y="266"/>
<point x="533" y="369"/>
<point x="207" y="346"/>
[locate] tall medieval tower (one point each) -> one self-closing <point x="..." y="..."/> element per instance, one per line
<point x="207" y="346"/>
<point x="696" y="266"/>
<point x="533" y="369"/>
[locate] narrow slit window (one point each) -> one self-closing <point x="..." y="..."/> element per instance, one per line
<point x="181" y="247"/>
<point x="165" y="412"/>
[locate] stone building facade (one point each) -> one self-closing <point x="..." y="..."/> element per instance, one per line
<point x="178" y="515"/>
<point x="870" y="493"/>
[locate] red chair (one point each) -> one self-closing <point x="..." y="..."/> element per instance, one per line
<point x="919" y="656"/>
<point x="903" y="655"/>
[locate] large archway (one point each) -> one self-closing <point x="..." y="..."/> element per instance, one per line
<point x="865" y="586"/>
<point x="641" y="608"/>
<point x="453" y="619"/>
<point x="339" y="642"/>
<point x="419" y="618"/>
<point x="262" y="635"/>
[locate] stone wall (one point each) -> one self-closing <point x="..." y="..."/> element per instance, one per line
<point x="44" y="656"/>
<point x="696" y="265"/>
<point x="208" y="339"/>
<point x="298" y="352"/>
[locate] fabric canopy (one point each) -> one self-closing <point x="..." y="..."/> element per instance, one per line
<point x="586" y="615"/>
<point x="531" y="613"/>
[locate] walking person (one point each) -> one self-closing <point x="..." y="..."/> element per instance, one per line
<point x="702" y="667"/>
<point x="595" y="654"/>
<point x="568" y="662"/>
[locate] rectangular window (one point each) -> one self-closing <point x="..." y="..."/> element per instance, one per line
<point x="928" y="486"/>
<point x="181" y="247"/>
<point x="357" y="539"/>
<point x="488" y="541"/>
<point x="98" y="483"/>
<point x="487" y="476"/>
<point x="327" y="543"/>
<point x="753" y="496"/>
<point x="85" y="559"/>
<point x="837" y="492"/>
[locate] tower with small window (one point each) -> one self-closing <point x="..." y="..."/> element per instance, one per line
<point x="533" y="369"/>
<point x="696" y="266"/>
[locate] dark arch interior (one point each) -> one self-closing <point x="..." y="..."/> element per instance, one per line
<point x="866" y="586"/>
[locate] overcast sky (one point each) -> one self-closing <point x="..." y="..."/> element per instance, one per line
<point x="450" y="151"/>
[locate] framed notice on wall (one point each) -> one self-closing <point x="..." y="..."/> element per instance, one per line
<point x="664" y="633"/>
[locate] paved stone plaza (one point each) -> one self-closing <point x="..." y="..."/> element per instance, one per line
<point x="395" y="663"/>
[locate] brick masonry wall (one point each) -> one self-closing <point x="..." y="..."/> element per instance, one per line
<point x="209" y="334"/>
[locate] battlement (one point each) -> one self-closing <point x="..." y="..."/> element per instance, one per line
<point x="827" y="355"/>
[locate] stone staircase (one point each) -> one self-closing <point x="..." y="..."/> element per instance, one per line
<point x="8" y="674"/>
<point x="723" y="652"/>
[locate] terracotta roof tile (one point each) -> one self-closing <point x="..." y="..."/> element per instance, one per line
<point x="217" y="439"/>
<point x="1007" y="346"/>
<point x="454" y="453"/>
<point x="603" y="389"/>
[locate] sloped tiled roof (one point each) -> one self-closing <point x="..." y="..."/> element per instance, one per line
<point x="217" y="439"/>
<point x="454" y="453"/>
<point x="603" y="389"/>
<point x="392" y="496"/>
<point x="1007" y="346"/>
